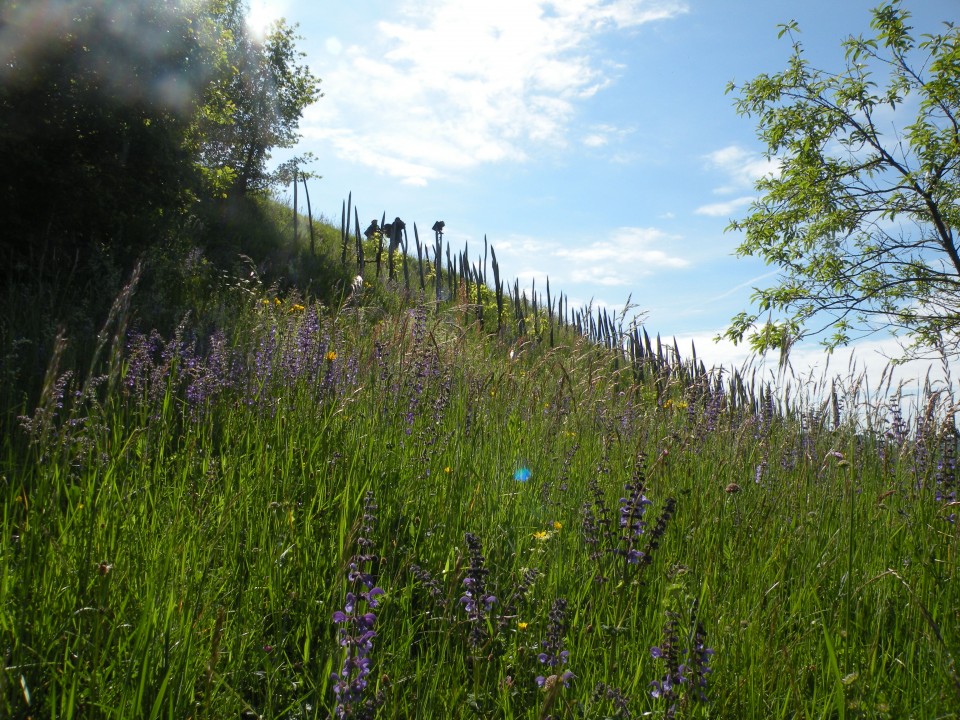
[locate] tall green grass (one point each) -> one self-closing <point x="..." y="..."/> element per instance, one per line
<point x="182" y="523"/>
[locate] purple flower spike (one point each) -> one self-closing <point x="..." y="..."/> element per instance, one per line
<point x="356" y="634"/>
<point x="553" y="653"/>
<point x="475" y="600"/>
<point x="681" y="682"/>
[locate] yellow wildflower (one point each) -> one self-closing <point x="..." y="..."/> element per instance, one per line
<point x="448" y="469"/>
<point x="522" y="625"/>
<point x="331" y="356"/>
<point x="557" y="525"/>
<point x="542" y="535"/>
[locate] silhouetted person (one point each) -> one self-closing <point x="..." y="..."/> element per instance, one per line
<point x="395" y="233"/>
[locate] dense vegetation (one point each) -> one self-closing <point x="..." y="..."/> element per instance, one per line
<point x="379" y="509"/>
<point x="236" y="480"/>
<point x="135" y="132"/>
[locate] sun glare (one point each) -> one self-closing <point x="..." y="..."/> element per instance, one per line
<point x="263" y="13"/>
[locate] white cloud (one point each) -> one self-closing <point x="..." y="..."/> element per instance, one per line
<point x="530" y="278"/>
<point x="862" y="362"/>
<point x="855" y="371"/>
<point x="723" y="209"/>
<point x="450" y="84"/>
<point x="519" y="245"/>
<point x="741" y="167"/>
<point x="601" y="135"/>
<point x="627" y="254"/>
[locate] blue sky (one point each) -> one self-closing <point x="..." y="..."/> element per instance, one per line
<point x="590" y="140"/>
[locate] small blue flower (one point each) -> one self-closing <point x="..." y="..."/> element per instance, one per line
<point x="522" y="474"/>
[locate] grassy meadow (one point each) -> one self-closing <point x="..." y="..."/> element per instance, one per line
<point x="378" y="506"/>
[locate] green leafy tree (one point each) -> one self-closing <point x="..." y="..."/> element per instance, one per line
<point x="120" y="121"/>
<point x="861" y="216"/>
<point x="95" y="100"/>
<point x="255" y="103"/>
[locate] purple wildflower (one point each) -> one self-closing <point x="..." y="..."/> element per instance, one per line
<point x="681" y="679"/>
<point x="357" y="622"/>
<point x="519" y="595"/>
<point x="659" y="528"/>
<point x="42" y="422"/>
<point x="700" y="662"/>
<point x="476" y="601"/>
<point x="669" y="653"/>
<point x="553" y="653"/>
<point x="616" y="697"/>
<point x="424" y="365"/>
<point x="632" y="509"/>
<point x="211" y="376"/>
<point x="925" y="432"/>
<point x="564" y="477"/>
<point x="765" y="414"/>
<point x="430" y="583"/>
<point x="946" y="480"/>
<point x="714" y="404"/>
<point x="263" y="364"/>
<point x="897" y="432"/>
<point x="142" y="354"/>
<point x="758" y="473"/>
<point x="597" y="524"/>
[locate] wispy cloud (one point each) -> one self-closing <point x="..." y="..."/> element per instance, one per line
<point x="596" y="140"/>
<point x="600" y="135"/>
<point x="740" y="286"/>
<point x="723" y="209"/>
<point x="741" y="168"/>
<point x="447" y="85"/>
<point x="628" y="253"/>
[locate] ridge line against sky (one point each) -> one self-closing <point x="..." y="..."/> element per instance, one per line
<point x="591" y="141"/>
